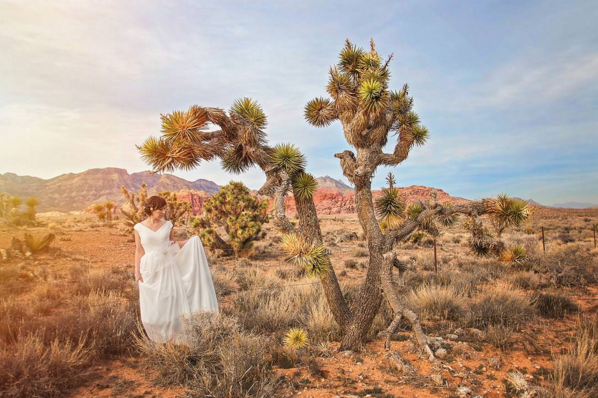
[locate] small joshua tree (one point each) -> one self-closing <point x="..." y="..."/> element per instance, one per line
<point x="133" y="208"/>
<point x="175" y="209"/>
<point x="109" y="206"/>
<point x="240" y="214"/>
<point x="100" y="211"/>
<point x="507" y="212"/>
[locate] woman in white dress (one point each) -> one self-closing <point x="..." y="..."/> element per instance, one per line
<point x="173" y="276"/>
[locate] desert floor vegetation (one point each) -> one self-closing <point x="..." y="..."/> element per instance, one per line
<point x="71" y="324"/>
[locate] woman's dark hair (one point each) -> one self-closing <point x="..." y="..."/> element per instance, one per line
<point x="154" y="203"/>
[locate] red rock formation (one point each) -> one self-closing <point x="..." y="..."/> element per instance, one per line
<point x="331" y="201"/>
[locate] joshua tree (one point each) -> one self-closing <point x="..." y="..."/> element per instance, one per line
<point x="100" y="210"/>
<point x="507" y="212"/>
<point x="133" y="208"/>
<point x="109" y="206"/>
<point x="369" y="112"/>
<point x="175" y="208"/>
<point x="239" y="213"/>
<point x="31" y="203"/>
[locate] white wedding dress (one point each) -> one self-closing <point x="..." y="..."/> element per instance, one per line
<point x="176" y="282"/>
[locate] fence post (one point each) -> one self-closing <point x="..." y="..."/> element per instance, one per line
<point x="543" y="242"/>
<point x="435" y="258"/>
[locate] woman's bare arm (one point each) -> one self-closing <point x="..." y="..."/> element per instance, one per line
<point x="139" y="252"/>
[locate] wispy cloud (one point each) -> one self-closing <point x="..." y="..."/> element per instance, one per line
<point x="85" y="82"/>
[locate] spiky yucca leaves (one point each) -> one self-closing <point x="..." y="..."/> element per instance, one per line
<point x="304" y="185"/>
<point x="506" y="212"/>
<point x="163" y="155"/>
<point x="186" y="141"/>
<point x="513" y="255"/>
<point x="390" y="206"/>
<point x="313" y="258"/>
<point x="187" y="126"/>
<point x="414" y="210"/>
<point x="320" y="112"/>
<point x="296" y="338"/>
<point x="367" y="109"/>
<point x="351" y="59"/>
<point x="239" y="213"/>
<point x="450" y="219"/>
<point x="288" y="158"/>
<point x="37" y="244"/>
<point x="251" y="111"/>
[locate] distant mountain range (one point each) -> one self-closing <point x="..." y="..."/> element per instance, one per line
<point x="575" y="205"/>
<point x="77" y="191"/>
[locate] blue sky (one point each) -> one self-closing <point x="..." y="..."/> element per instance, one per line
<point x="508" y="89"/>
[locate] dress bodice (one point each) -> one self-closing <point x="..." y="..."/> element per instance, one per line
<point x="155" y="241"/>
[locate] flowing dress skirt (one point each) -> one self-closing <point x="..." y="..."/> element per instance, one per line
<point x="176" y="282"/>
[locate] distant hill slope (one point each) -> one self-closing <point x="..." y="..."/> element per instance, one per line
<point x="75" y="191"/>
<point x="575" y="205"/>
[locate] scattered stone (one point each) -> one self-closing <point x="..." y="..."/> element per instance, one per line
<point x="464" y="392"/>
<point x="441" y="353"/>
<point x="437" y="379"/>
<point x="452" y="337"/>
<point x="478" y="334"/>
<point x="347" y="353"/>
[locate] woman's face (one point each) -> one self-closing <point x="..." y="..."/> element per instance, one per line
<point x="159" y="213"/>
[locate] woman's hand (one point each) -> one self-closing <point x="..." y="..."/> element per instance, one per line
<point x="138" y="277"/>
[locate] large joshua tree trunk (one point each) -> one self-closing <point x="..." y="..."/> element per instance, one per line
<point x="369" y="297"/>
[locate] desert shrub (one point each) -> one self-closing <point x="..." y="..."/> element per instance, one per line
<point x="13" y="314"/>
<point x="526" y="280"/>
<point x="218" y="360"/>
<point x="87" y="279"/>
<point x="436" y="302"/>
<point x="110" y="322"/>
<point x="224" y="283"/>
<point x="565" y="237"/>
<point x="253" y="278"/>
<point x="279" y="308"/>
<point x="352" y="264"/>
<point x="555" y="305"/>
<point x="284" y="274"/>
<point x="570" y="266"/>
<point x="576" y="372"/>
<point x="500" y="306"/>
<point x="30" y="368"/>
<point x="46" y="298"/>
<point x="499" y="336"/>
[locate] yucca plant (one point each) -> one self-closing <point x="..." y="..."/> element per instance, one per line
<point x="38" y="244"/>
<point x="296" y="338"/>
<point x="311" y="257"/>
<point x="506" y="212"/>
<point x="390" y="206"/>
<point x="513" y="255"/>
